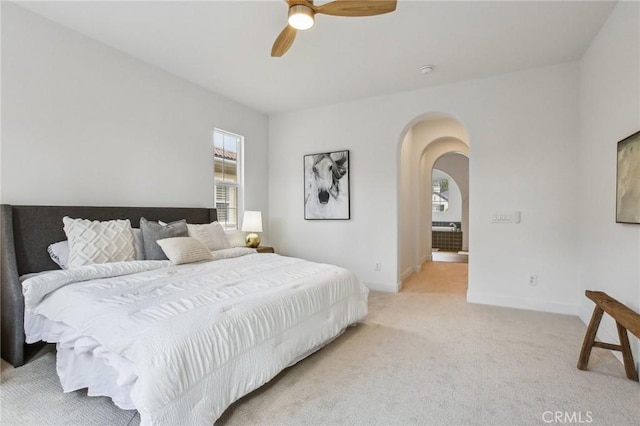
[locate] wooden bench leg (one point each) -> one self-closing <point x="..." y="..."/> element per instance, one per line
<point x="627" y="355"/>
<point x="590" y="338"/>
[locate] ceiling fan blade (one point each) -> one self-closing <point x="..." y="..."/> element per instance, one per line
<point x="284" y="41"/>
<point x="356" y="7"/>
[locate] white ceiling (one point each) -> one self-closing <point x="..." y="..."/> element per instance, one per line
<point x="225" y="45"/>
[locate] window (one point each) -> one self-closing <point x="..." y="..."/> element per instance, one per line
<point x="227" y="177"/>
<point x="440" y="195"/>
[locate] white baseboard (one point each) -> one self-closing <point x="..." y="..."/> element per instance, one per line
<point x="523" y="303"/>
<point x="383" y="287"/>
<point x="585" y="313"/>
<point x="406" y="274"/>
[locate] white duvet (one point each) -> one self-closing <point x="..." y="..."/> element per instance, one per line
<point x="194" y="338"/>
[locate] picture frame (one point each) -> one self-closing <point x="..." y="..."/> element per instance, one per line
<point x="327" y="192"/>
<point x="628" y="180"/>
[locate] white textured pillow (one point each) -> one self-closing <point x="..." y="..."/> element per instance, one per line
<point x="184" y="250"/>
<point x="98" y="242"/>
<point x="59" y="252"/>
<point x="212" y="235"/>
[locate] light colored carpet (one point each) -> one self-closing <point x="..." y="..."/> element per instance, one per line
<point x="420" y="358"/>
<point x="32" y="395"/>
<point x="434" y="359"/>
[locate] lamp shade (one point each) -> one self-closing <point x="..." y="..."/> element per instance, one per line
<point x="252" y="221"/>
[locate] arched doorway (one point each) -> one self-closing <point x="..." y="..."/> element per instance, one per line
<point x="450" y="208"/>
<point x="426" y="139"/>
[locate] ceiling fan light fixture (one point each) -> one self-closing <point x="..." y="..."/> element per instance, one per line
<point x="301" y="17"/>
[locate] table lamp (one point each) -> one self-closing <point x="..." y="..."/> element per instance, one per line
<point x="252" y="222"/>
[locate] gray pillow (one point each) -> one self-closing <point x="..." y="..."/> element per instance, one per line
<point x="153" y="231"/>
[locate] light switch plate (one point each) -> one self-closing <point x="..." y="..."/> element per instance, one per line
<point x="501" y="218"/>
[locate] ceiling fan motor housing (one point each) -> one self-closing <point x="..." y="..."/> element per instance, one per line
<point x="301" y="17"/>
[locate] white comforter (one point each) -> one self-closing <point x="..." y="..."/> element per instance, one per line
<point x="200" y="336"/>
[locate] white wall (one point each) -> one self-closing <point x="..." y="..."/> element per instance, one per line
<point x="609" y="111"/>
<point x="83" y="124"/>
<point x="407" y="250"/>
<point x="521" y="125"/>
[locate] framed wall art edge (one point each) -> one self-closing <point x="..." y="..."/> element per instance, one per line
<point x="628" y="180"/>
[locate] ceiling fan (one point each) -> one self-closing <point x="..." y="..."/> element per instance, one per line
<point x="302" y="12"/>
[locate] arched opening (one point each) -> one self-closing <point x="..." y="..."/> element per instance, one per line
<point x="425" y="140"/>
<point x="450" y="208"/>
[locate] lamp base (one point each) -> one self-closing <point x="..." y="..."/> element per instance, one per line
<point x="252" y="240"/>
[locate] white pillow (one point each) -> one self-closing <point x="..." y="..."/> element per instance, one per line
<point x="98" y="242"/>
<point x="184" y="250"/>
<point x="212" y="235"/>
<point x="59" y="253"/>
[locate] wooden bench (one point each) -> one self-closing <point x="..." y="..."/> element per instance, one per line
<point x="626" y="320"/>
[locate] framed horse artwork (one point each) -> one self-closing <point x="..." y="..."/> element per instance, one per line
<point x="326" y="186"/>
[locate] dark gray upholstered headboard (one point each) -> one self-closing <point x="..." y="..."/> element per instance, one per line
<point x="27" y="231"/>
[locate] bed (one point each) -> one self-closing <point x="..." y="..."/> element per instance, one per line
<point x="179" y="343"/>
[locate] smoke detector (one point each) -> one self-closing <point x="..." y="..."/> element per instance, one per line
<point x="426" y="69"/>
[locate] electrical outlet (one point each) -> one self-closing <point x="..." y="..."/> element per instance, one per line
<point x="378" y="266"/>
<point x="533" y="280"/>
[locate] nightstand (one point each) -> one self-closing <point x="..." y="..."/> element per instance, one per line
<point x="265" y="249"/>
